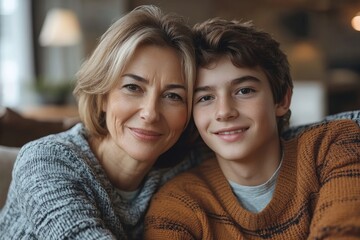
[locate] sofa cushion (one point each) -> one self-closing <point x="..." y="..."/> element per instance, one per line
<point x="7" y="159"/>
<point x="16" y="130"/>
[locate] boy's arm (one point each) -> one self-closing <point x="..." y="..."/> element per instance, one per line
<point x="337" y="211"/>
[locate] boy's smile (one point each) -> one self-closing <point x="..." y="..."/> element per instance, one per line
<point x="235" y="114"/>
<point x="232" y="134"/>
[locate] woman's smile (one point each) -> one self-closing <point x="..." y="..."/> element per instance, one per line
<point x="146" y="135"/>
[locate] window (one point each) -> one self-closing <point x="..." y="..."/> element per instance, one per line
<point x="16" y="54"/>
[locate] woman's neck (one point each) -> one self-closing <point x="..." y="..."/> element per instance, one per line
<point x="123" y="171"/>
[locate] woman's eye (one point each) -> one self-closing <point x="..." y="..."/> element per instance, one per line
<point x="245" y="91"/>
<point x="174" y="97"/>
<point x="132" y="87"/>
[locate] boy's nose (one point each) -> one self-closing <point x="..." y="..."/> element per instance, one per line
<point x="225" y="109"/>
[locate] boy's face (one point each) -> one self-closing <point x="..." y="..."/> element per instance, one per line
<point x="235" y="113"/>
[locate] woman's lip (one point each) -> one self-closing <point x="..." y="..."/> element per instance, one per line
<point x="145" y="134"/>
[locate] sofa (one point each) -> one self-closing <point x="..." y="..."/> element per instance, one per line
<point x="15" y="131"/>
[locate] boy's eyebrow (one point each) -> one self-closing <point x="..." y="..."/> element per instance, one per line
<point x="141" y="79"/>
<point x="233" y="82"/>
<point x="199" y="89"/>
<point x="244" y="79"/>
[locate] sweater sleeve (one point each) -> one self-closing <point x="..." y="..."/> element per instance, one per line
<point x="337" y="211"/>
<point x="54" y="193"/>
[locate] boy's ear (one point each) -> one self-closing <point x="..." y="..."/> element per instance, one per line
<point x="284" y="105"/>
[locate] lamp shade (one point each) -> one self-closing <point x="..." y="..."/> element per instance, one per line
<point x="61" y="28"/>
<point x="355" y="22"/>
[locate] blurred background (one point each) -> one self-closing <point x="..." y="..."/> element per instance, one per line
<point x="43" y="43"/>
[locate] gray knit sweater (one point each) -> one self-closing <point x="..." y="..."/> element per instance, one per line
<point x="60" y="191"/>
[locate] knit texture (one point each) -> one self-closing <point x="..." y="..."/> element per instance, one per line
<point x="317" y="195"/>
<point x="60" y="191"/>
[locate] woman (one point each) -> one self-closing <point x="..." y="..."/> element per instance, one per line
<point x="94" y="181"/>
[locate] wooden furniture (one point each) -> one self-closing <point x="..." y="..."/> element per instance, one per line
<point x="50" y="112"/>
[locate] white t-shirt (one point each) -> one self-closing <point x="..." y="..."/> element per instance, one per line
<point x="255" y="198"/>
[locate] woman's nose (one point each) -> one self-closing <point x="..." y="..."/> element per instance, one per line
<point x="150" y="110"/>
<point x="225" y="109"/>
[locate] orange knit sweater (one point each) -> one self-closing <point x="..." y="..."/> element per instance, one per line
<point x="317" y="195"/>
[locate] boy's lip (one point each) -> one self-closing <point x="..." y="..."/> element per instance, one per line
<point x="231" y="130"/>
<point x="232" y="134"/>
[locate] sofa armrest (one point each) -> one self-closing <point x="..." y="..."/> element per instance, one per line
<point x="7" y="159"/>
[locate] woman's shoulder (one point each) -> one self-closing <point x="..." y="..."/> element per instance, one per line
<point x="73" y="136"/>
<point x="54" y="149"/>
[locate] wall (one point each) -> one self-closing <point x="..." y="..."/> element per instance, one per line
<point x="316" y="36"/>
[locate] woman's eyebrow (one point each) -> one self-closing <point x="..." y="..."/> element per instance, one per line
<point x="135" y="77"/>
<point x="141" y="79"/>
<point x="174" y="86"/>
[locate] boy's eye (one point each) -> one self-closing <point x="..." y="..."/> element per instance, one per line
<point x="205" y="98"/>
<point x="245" y="91"/>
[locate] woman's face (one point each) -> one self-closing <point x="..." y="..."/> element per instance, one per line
<point x="146" y="111"/>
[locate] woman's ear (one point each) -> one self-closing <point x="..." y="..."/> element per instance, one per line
<point x="283" y="106"/>
<point x="104" y="104"/>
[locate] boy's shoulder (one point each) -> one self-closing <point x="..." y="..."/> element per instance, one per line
<point x="321" y="137"/>
<point x="332" y="128"/>
<point x="295" y="131"/>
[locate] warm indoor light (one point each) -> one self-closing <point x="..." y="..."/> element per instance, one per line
<point x="355" y="22"/>
<point x="61" y="28"/>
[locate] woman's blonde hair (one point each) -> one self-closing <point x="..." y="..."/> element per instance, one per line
<point x="145" y="25"/>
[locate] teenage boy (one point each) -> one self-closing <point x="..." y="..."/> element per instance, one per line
<point x="260" y="186"/>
